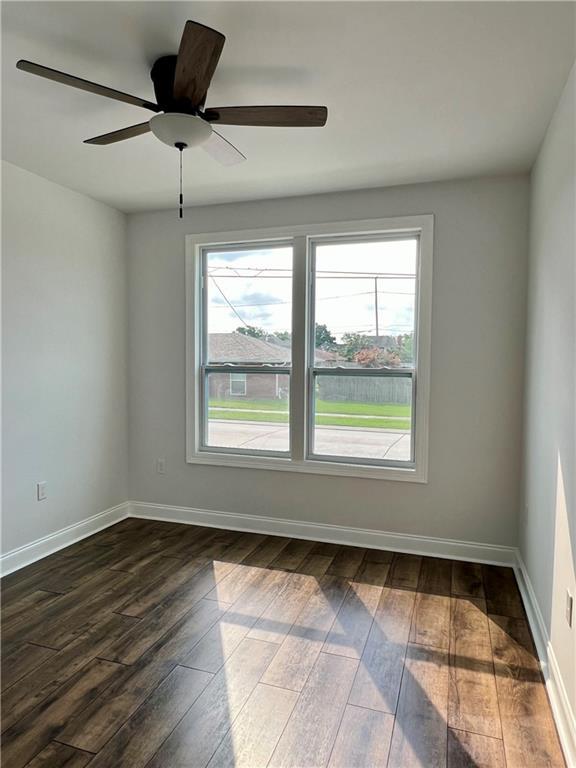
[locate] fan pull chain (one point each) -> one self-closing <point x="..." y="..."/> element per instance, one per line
<point x="181" y="147"/>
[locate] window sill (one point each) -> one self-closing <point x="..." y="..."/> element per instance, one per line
<point x="310" y="466"/>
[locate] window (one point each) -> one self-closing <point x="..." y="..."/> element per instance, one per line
<point x="362" y="339"/>
<point x="245" y="313"/>
<point x="308" y="348"/>
<point x="238" y="384"/>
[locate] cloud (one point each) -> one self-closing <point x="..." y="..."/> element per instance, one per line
<point x="259" y="298"/>
<point x="258" y="317"/>
<point x="230" y="256"/>
<point x="224" y="256"/>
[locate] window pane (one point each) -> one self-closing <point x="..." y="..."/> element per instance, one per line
<point x="238" y="384"/>
<point x="365" y="294"/>
<point x="363" y="417"/>
<point x="249" y="304"/>
<point x="256" y="420"/>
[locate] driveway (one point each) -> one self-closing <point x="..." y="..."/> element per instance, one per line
<point x="367" y="443"/>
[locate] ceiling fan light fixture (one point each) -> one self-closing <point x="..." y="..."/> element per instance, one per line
<point x="175" y="128"/>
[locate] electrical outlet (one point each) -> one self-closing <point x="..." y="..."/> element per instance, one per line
<point x="41" y="491"/>
<point x="161" y="466"/>
<point x="569" y="608"/>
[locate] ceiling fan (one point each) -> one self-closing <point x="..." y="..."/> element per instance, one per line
<point x="180" y="84"/>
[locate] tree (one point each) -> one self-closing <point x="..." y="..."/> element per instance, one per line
<point x="388" y="350"/>
<point x="251" y="330"/>
<point x="368" y="358"/>
<point x="406" y="348"/>
<point x="374" y="357"/>
<point x="324" y="339"/>
<point x="352" y="343"/>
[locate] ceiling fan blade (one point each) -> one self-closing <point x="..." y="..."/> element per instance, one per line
<point x="84" y="85"/>
<point x="270" y="116"/>
<point x="123" y="133"/>
<point x="198" y="55"/>
<point x="222" y="150"/>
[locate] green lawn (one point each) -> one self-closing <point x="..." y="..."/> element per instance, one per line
<point x="266" y="405"/>
<point x="327" y="413"/>
<point x="322" y="406"/>
<point x="363" y="409"/>
<point x="277" y="418"/>
<point x="350" y="421"/>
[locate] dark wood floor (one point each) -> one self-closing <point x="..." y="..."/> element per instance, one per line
<point x="161" y="645"/>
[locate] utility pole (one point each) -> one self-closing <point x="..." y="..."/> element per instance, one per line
<point x="376" y="306"/>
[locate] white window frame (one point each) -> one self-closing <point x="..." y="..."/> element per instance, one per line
<point x="242" y="381"/>
<point x="302" y="237"/>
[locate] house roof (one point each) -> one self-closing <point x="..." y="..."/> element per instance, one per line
<point x="238" y="348"/>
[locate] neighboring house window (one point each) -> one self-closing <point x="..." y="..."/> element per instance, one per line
<point x="324" y="334"/>
<point x="238" y="384"/>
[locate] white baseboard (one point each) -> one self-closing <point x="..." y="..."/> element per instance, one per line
<point x="563" y="714"/>
<point x="47" y="545"/>
<point x="334" y="534"/>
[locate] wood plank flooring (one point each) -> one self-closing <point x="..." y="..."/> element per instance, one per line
<point x="162" y="645"/>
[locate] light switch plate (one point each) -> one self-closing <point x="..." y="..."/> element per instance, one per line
<point x="41" y="491"/>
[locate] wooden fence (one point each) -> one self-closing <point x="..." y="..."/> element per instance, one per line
<point x="365" y="390"/>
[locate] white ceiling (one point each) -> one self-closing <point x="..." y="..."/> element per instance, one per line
<point x="415" y="92"/>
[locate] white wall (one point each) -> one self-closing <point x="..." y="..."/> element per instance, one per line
<point x="64" y="356"/>
<point x="548" y="523"/>
<point x="478" y="329"/>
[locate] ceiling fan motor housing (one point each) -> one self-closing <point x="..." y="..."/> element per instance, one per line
<point x="162" y="75"/>
<point x="179" y="125"/>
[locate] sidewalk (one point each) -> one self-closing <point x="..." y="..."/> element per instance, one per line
<point x="371" y="443"/>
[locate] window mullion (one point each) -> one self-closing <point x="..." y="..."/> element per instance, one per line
<point x="299" y="331"/>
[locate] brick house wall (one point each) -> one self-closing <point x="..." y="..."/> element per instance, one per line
<point x="258" y="386"/>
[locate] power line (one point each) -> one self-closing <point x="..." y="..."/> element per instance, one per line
<point x="391" y="328"/>
<point x="229" y="304"/>
<point x="332" y="272"/>
<point x="323" y="298"/>
<point x="323" y="276"/>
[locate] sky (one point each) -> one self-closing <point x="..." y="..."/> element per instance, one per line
<point x="253" y="287"/>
